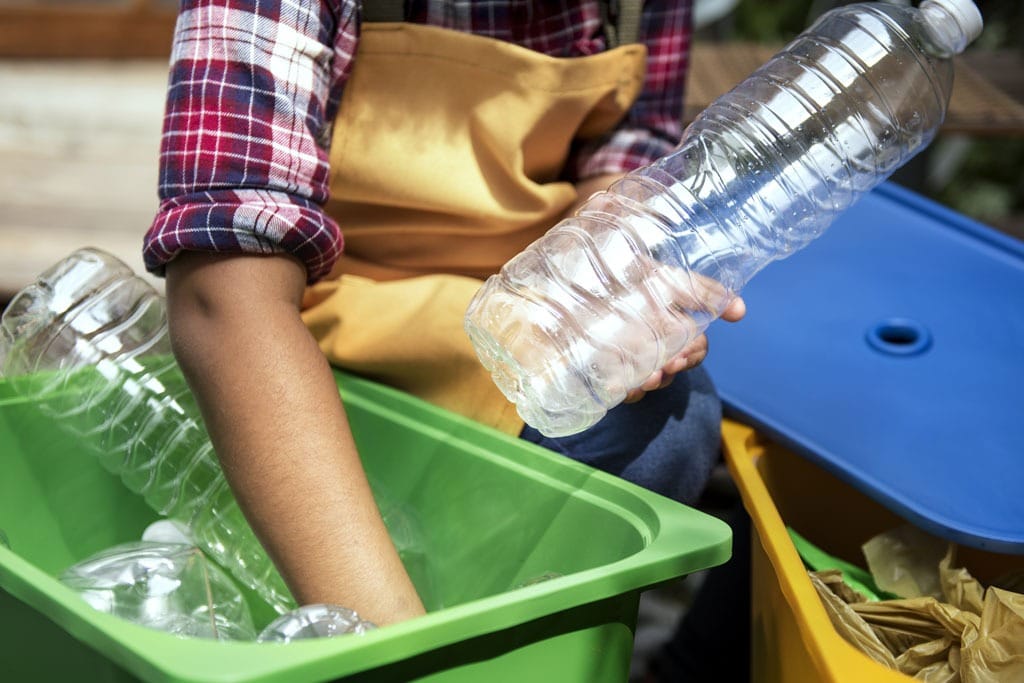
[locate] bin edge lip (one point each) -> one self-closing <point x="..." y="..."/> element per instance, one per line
<point x="161" y="656"/>
<point x="817" y="632"/>
<point x="930" y="519"/>
<point x="146" y="652"/>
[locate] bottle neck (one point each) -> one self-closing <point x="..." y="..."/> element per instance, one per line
<point x="949" y="36"/>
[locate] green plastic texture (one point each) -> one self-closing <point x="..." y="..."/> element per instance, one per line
<point x="855" y="577"/>
<point x="495" y="513"/>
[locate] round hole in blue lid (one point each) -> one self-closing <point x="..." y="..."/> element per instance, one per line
<point x="899" y="337"/>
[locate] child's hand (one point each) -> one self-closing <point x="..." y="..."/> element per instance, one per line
<point x="687" y="359"/>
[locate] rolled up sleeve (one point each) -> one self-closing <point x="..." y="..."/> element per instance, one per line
<point x="243" y="158"/>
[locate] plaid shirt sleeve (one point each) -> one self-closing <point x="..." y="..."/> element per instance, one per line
<point x="654" y="125"/>
<point x="243" y="158"/>
<point x="254" y="88"/>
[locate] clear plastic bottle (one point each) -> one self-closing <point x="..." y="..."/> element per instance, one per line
<point x="88" y="343"/>
<point x="605" y="298"/>
<point x="314" y="621"/>
<point x="170" y="587"/>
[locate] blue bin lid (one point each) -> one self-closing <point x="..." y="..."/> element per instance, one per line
<point x="890" y="351"/>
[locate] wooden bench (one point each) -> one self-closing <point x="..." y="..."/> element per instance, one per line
<point x="977" y="107"/>
<point x="80" y="143"/>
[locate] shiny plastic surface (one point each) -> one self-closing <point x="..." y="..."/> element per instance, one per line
<point x="901" y="370"/>
<point x="606" y="297"/>
<point x="93" y="337"/>
<point x="495" y="512"/>
<point x="314" y="621"/>
<point x="793" y="639"/>
<point x="169" y="587"/>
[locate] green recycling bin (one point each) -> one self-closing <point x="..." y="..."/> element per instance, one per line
<point x="496" y="514"/>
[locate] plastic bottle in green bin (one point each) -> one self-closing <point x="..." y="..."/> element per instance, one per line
<point x="314" y="621"/>
<point x="169" y="587"/>
<point x="87" y="342"/>
<point x="606" y="297"/>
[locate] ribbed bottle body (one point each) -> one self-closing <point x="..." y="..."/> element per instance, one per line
<point x="608" y="296"/>
<point x="770" y="164"/>
<point x="88" y="343"/>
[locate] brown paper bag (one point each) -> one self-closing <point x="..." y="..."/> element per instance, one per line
<point x="965" y="634"/>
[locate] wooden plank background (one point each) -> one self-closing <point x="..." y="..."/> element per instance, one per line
<point x="79" y="144"/>
<point x="86" y="28"/>
<point x="977" y="107"/>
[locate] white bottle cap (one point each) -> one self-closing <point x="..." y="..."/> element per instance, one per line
<point x="967" y="15"/>
<point x="168" y="531"/>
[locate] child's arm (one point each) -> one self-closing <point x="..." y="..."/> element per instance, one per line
<point x="279" y="429"/>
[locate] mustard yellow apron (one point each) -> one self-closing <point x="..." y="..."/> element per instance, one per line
<point x="445" y="161"/>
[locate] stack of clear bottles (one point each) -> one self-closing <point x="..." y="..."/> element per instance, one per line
<point x="88" y="343"/>
<point x="608" y="296"/>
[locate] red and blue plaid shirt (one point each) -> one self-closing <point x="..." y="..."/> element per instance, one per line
<point x="254" y="87"/>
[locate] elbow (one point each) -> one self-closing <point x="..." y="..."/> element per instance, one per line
<point x="215" y="299"/>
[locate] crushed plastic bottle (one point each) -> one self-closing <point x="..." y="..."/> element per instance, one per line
<point x="87" y="342"/>
<point x="606" y="297"/>
<point x="314" y="621"/>
<point x="170" y="587"/>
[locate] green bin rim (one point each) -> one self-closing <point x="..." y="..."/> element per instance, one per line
<point x="678" y="540"/>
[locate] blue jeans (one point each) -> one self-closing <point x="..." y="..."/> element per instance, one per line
<point x="667" y="442"/>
